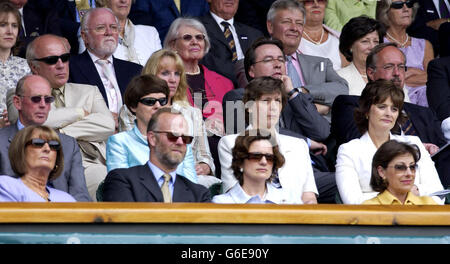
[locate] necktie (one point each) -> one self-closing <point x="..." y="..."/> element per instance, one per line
<point x="112" y="87"/>
<point x="82" y="4"/>
<point x="165" y="189"/>
<point x="59" y="97"/>
<point x="408" y="128"/>
<point x="443" y="9"/>
<point x="177" y="3"/>
<point x="293" y="74"/>
<point x="229" y="38"/>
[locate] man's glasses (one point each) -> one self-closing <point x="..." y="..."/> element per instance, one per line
<point x="188" y="37"/>
<point x="267" y="60"/>
<point x="150" y="101"/>
<point x="101" y="29"/>
<point x="173" y="137"/>
<point x="399" y="4"/>
<point x="401" y="168"/>
<point x="312" y="1"/>
<point x="39" y="143"/>
<point x="51" y="60"/>
<point x="391" y="67"/>
<point x="258" y="156"/>
<point x="38" y="98"/>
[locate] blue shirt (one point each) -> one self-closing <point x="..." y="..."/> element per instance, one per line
<point x="159" y="176"/>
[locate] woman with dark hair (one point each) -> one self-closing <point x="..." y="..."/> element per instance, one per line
<point x="394" y="168"/>
<point x="36" y="157"/>
<point x="378" y="115"/>
<point x="358" y="37"/>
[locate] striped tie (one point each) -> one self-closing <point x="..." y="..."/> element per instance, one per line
<point x="443" y="9"/>
<point x="165" y="189"/>
<point x="408" y="128"/>
<point x="229" y="38"/>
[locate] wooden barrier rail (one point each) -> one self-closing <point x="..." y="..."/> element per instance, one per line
<point x="321" y="214"/>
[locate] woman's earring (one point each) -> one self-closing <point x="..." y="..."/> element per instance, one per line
<point x="241" y="170"/>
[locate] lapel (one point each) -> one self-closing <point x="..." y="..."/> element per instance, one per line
<point x="174" y="8"/>
<point x="243" y="39"/>
<point x="120" y="73"/>
<point x="305" y="67"/>
<point x="181" y="192"/>
<point x="149" y="182"/>
<point x="12" y="132"/>
<point x="213" y="30"/>
<point x="91" y="74"/>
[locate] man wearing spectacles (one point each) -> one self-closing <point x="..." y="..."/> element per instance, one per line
<point x="78" y="110"/>
<point x="157" y="180"/>
<point x="33" y="100"/>
<point x="96" y="65"/>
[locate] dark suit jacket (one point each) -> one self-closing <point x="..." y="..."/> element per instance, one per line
<point x="161" y="13"/>
<point x="138" y="184"/>
<point x="219" y="56"/>
<point x="438" y="87"/>
<point x="71" y="180"/>
<point x="83" y="70"/>
<point x="67" y="19"/>
<point x="253" y="13"/>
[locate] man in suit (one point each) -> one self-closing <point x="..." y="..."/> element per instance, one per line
<point x="310" y="74"/>
<point x="96" y="65"/>
<point x="78" y="111"/>
<point x="35" y="113"/>
<point x="157" y="181"/>
<point x="226" y="54"/>
<point x="161" y="14"/>
<point x="386" y="61"/>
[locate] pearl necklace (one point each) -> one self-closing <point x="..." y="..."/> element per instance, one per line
<point x="315" y="42"/>
<point x="398" y="42"/>
<point x="197" y="71"/>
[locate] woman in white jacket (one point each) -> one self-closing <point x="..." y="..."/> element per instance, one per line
<point x="378" y="114"/>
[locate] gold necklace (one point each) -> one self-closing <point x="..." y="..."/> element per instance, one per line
<point x="315" y="42"/>
<point x="402" y="45"/>
<point x="44" y="195"/>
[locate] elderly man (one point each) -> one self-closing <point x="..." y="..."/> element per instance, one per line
<point x="157" y="180"/>
<point x="32" y="99"/>
<point x="386" y="61"/>
<point x="78" y="111"/>
<point x="229" y="40"/>
<point x="310" y="74"/>
<point x="96" y="65"/>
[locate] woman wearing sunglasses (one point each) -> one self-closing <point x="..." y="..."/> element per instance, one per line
<point x="36" y="157"/>
<point x="397" y="15"/>
<point x="256" y="160"/>
<point x="394" y="168"/>
<point x="12" y="67"/>
<point x="144" y="95"/>
<point x="378" y="117"/>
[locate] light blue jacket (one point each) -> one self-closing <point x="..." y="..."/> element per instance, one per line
<point x="129" y="148"/>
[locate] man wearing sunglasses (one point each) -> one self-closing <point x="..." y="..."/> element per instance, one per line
<point x="78" y="110"/>
<point x="33" y="98"/>
<point x="224" y="58"/>
<point x="157" y="180"/>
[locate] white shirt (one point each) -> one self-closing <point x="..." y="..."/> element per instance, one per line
<point x="240" y="54"/>
<point x="436" y="4"/>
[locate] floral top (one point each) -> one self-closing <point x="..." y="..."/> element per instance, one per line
<point x="10" y="72"/>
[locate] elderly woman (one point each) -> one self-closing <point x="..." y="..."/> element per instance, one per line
<point x="136" y="42"/>
<point x="379" y="113"/>
<point x="144" y="95"/>
<point x="36" y="157"/>
<point x="319" y="39"/>
<point x="397" y="16"/>
<point x="358" y="37"/>
<point x="12" y="68"/>
<point x="256" y="160"/>
<point x="394" y="168"/>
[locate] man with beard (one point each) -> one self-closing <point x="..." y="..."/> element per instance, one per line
<point x="96" y="65"/>
<point x="157" y="181"/>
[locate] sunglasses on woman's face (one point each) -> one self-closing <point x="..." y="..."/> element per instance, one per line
<point x="38" y="98"/>
<point x="39" y="143"/>
<point x="188" y="37"/>
<point x="401" y="168"/>
<point x="399" y="4"/>
<point x="150" y="101"/>
<point x="258" y="156"/>
<point x="173" y="137"/>
<point x="51" y="60"/>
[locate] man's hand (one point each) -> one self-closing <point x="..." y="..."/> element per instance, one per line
<point x="431" y="148"/>
<point x="202" y="169"/>
<point x="318" y="148"/>
<point x="116" y="120"/>
<point x="322" y="109"/>
<point x="4" y="121"/>
<point x="435" y="24"/>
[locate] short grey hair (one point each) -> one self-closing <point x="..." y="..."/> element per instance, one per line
<point x="172" y="34"/>
<point x="30" y="54"/>
<point x="383" y="7"/>
<point x="284" y="5"/>
<point x="87" y="16"/>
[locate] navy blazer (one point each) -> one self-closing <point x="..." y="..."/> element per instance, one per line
<point x="219" y="57"/>
<point x="138" y="184"/>
<point x="71" y="180"/>
<point x="83" y="70"/>
<point x="67" y="19"/>
<point x="438" y="87"/>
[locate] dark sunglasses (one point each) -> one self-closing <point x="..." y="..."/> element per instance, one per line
<point x="150" y="101"/>
<point x="39" y="143"/>
<point x="188" y="37"/>
<point x="399" y="4"/>
<point x="50" y="60"/>
<point x="403" y="167"/>
<point x="38" y="98"/>
<point x="312" y="1"/>
<point x="258" y="156"/>
<point x="173" y="137"/>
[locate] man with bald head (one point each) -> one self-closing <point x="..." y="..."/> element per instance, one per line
<point x="32" y="99"/>
<point x="79" y="109"/>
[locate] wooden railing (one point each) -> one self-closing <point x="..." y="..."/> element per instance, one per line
<point x="224" y="214"/>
